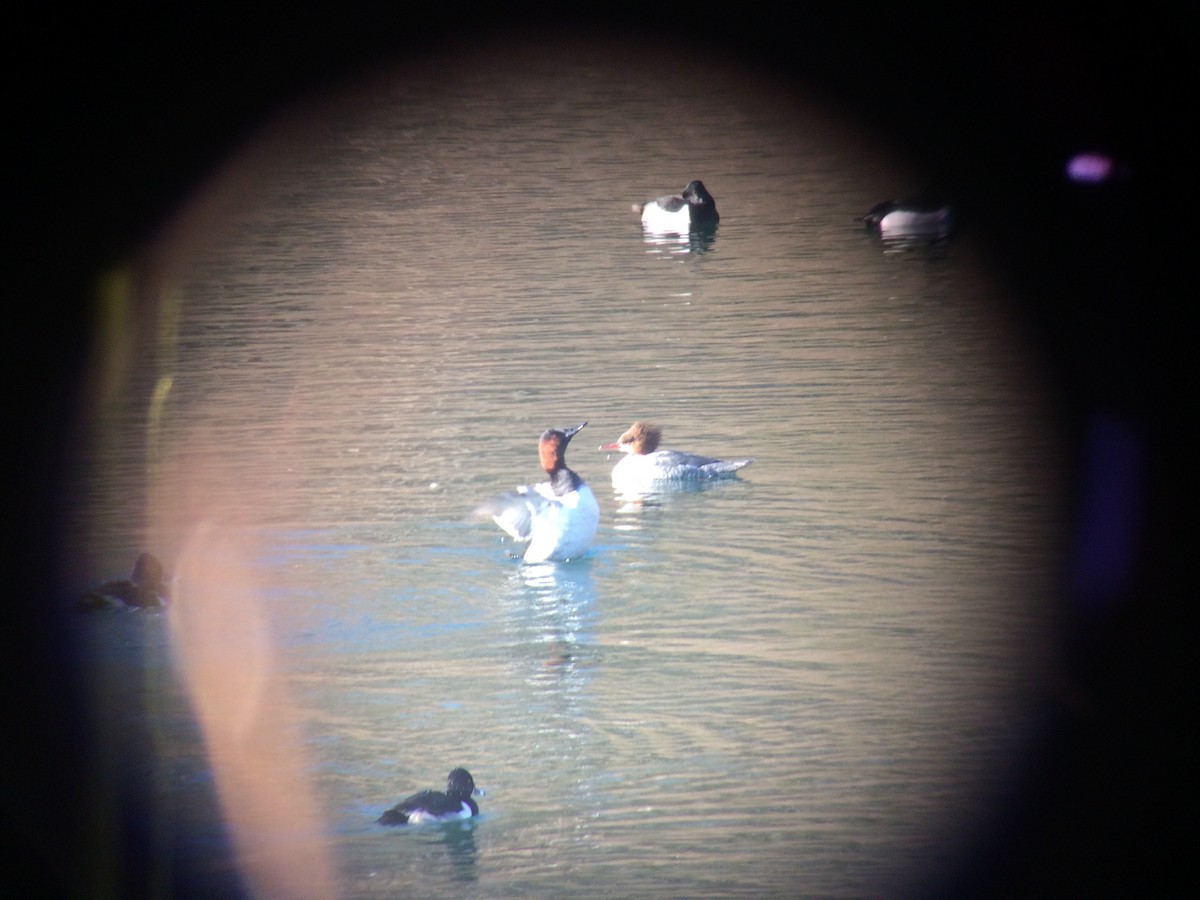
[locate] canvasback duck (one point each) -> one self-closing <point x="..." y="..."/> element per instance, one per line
<point x="435" y="806"/>
<point x="646" y="469"/>
<point x="557" y="518"/>
<point x="678" y="213"/>
<point x="144" y="589"/>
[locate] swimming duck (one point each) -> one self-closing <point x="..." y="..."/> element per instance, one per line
<point x="645" y="468"/>
<point x="436" y="806"/>
<point x="915" y="218"/>
<point x="143" y="589"/>
<point x="557" y="518"/>
<point x="692" y="206"/>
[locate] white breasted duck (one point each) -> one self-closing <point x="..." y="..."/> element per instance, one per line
<point x="557" y="518"/>
<point x="144" y="589"/>
<point x="646" y="469"/>
<point x="435" y="806"/>
<point x="921" y="218"/>
<point x="679" y="213"/>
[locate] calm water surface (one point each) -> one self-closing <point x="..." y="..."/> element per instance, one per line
<point x="814" y="680"/>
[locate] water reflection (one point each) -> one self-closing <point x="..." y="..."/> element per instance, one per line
<point x="554" y="605"/>
<point x="551" y="609"/>
<point x="458" y="838"/>
<point x="426" y="854"/>
<point x="635" y="506"/>
<point x="700" y="239"/>
<point x="933" y="246"/>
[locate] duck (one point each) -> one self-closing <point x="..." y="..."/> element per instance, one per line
<point x="646" y="469"/>
<point x="915" y="218"/>
<point x="556" y="519"/>
<point x="454" y="804"/>
<point x="694" y="205"/>
<point x="144" y="589"/>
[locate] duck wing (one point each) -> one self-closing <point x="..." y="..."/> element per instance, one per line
<point x="514" y="511"/>
<point x="724" y="466"/>
<point x="671" y="204"/>
<point x="683" y="464"/>
<point x="426" y="804"/>
<point x="433" y="801"/>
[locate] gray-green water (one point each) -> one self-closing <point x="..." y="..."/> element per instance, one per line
<point x="816" y="680"/>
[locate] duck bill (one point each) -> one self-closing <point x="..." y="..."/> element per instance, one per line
<point x="615" y="445"/>
<point x="569" y="433"/>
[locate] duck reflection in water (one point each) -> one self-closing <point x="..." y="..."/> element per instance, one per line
<point x="697" y="240"/>
<point x="456" y="837"/>
<point x="459" y="841"/>
<point x="559" y="604"/>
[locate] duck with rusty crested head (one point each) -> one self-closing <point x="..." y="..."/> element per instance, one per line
<point x="556" y="519"/>
<point x="437" y="806"/>
<point x="678" y="213"/>
<point x="646" y="469"/>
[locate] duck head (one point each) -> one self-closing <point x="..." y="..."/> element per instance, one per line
<point x="552" y="446"/>
<point x="641" y="438"/>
